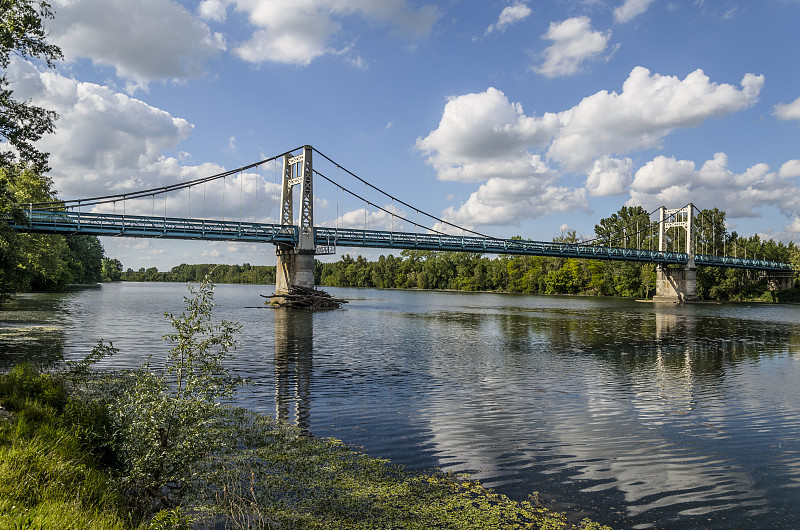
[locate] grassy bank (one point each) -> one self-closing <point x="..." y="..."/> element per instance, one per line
<point x="51" y="458"/>
<point x="60" y="467"/>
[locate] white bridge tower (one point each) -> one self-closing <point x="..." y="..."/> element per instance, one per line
<point x="296" y="264"/>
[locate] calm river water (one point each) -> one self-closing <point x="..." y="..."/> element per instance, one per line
<point x="638" y="415"/>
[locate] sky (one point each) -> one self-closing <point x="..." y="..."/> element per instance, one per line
<point x="510" y="118"/>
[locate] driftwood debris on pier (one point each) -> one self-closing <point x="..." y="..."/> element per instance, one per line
<point x="305" y="298"/>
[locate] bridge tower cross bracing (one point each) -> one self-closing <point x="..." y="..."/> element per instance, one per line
<point x="676" y="285"/>
<point x="296" y="264"/>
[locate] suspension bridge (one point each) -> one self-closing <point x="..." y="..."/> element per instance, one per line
<point x="299" y="240"/>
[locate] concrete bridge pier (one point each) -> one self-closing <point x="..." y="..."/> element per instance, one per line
<point x="295" y="267"/>
<point x="780" y="281"/>
<point x="675" y="285"/>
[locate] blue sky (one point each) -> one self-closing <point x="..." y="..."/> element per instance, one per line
<point x="508" y="117"/>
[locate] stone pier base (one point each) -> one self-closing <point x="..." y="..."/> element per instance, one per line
<point x="295" y="267"/>
<point x="675" y="285"/>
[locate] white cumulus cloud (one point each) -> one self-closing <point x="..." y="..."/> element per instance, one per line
<point x="649" y="107"/>
<point x="504" y="202"/>
<point x="510" y="15"/>
<point x="631" y="9"/>
<point x="483" y="135"/>
<point x="666" y="180"/>
<point x="788" y="111"/>
<point x="103" y="138"/>
<point x="520" y="158"/>
<point x="609" y="176"/>
<point x="790" y="169"/>
<point x="300" y="31"/>
<point x="108" y="143"/>
<point x="144" y="41"/>
<point x="372" y="219"/>
<point x="574" y="42"/>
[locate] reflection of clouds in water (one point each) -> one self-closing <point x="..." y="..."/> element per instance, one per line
<point x="653" y="427"/>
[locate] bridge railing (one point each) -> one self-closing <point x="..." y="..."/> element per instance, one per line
<point x="384" y="239"/>
<point x="105" y="224"/>
<point x="400" y="240"/>
<point x="741" y="263"/>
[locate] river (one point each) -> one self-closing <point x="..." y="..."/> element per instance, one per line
<point x="638" y="415"/>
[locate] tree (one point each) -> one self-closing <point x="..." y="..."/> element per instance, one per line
<point x="630" y="227"/>
<point x="85" y="259"/>
<point x="26" y="261"/>
<point x="111" y="270"/>
<point x="21" y="123"/>
<point x="173" y="418"/>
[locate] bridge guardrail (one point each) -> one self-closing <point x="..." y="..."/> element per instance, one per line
<point x="103" y="224"/>
<point x="415" y="241"/>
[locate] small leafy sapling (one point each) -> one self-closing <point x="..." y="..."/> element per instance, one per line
<point x="173" y="417"/>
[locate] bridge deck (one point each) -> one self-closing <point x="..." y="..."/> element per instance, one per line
<point x="100" y="224"/>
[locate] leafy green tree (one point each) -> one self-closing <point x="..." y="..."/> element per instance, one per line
<point x="22" y="34"/>
<point x="794" y="259"/>
<point x="40" y="261"/>
<point x="26" y="261"/>
<point x="111" y="270"/>
<point x="630" y="227"/>
<point x="171" y="419"/>
<point x="85" y="258"/>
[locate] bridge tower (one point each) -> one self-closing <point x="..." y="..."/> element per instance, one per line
<point x="676" y="285"/>
<point x="296" y="264"/>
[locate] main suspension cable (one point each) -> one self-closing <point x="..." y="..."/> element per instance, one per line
<point x="393" y="198"/>
<point x="105" y="199"/>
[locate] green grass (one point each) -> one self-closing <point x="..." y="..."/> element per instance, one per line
<point x="49" y="477"/>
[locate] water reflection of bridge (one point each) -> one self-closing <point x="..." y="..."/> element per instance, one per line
<point x="294" y="342"/>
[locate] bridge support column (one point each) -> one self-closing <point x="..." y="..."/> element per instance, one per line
<point x="295" y="267"/>
<point x="296" y="264"/>
<point x="676" y="285"/>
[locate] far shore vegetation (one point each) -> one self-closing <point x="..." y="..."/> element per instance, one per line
<point x="158" y="448"/>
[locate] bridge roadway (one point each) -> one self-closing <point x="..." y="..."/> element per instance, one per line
<point x="116" y="225"/>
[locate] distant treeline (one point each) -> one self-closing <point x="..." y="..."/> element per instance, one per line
<point x="473" y="272"/>
<point x="251" y="274"/>
<point x="630" y="228"/>
<point x="529" y="274"/>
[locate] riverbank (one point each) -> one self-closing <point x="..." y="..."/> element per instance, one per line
<point x="58" y="462"/>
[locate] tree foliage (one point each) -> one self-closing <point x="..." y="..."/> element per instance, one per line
<point x="32" y="261"/>
<point x="40" y="261"/>
<point x="111" y="270"/>
<point x="171" y="419"/>
<point x="22" y="34"/>
<point x="246" y="273"/>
